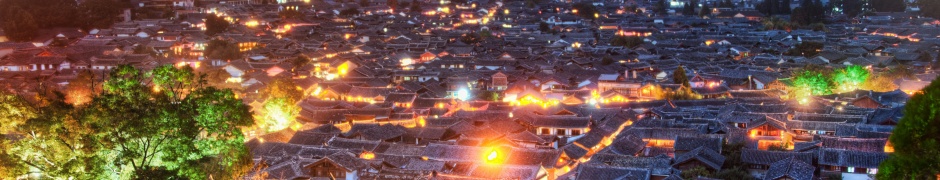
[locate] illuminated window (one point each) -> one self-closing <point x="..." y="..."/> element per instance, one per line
<point x="560" y="132"/>
<point x="575" y="132"/>
<point x="546" y="131"/>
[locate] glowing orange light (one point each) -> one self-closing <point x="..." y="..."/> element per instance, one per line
<point x="367" y="155"/>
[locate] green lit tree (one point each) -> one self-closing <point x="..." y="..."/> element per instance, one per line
<point x="280" y="106"/>
<point x="916" y="139"/>
<point x="850" y="78"/>
<point x="135" y="130"/>
<point x="14" y="110"/>
<point x="808" y="83"/>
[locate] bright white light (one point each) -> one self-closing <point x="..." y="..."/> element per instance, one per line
<point x="463" y="94"/>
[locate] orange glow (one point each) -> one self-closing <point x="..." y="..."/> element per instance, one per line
<point x="367" y="155"/>
<point x="421" y="122"/>
<point x="753" y="133"/>
<point x="889" y="148"/>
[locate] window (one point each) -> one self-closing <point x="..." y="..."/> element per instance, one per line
<point x="873" y="171"/>
<point x="850" y="169"/>
<point x="575" y="132"/>
<point x="560" y="132"/>
<point x="545" y="131"/>
<point x="835" y="168"/>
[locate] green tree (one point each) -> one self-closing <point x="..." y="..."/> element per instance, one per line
<point x="888" y="5"/>
<point x="880" y="83"/>
<point x="585" y="10"/>
<point x="930" y="8"/>
<point x="808" y="83"/>
<point x="19" y="25"/>
<point x="14" y="110"/>
<point x="660" y="7"/>
<point x="925" y="57"/>
<point x="627" y="41"/>
<point x="689" y="8"/>
<point x="291" y="14"/>
<point x="349" y="12"/>
<point x="544" y="27"/>
<point x="776" y="23"/>
<point x="809" y="12"/>
<point x="805" y="49"/>
<point x="415" y="7"/>
<point x="471" y="38"/>
<point x="280" y="108"/>
<point x="222" y="49"/>
<point x="607" y="60"/>
<point x="679" y="77"/>
<point x="61" y="143"/>
<point x="916" y="138"/>
<point x="215" y="24"/>
<point x="705" y="10"/>
<point x="850" y="78"/>
<point x="99" y="13"/>
<point x="392" y="4"/>
<point x="142" y="49"/>
<point x="694" y="172"/>
<point x="299" y="62"/>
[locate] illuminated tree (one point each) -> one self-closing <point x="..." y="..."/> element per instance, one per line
<point x="916" y="139"/>
<point x="280" y="106"/>
<point x="81" y="89"/>
<point x="14" y="110"/>
<point x="209" y="139"/>
<point x="132" y="130"/>
<point x="850" y="77"/>
<point x="62" y="144"/>
<point x="880" y="83"/>
<point x="809" y="83"/>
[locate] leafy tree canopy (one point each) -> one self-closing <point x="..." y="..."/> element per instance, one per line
<point x="916" y="138"/>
